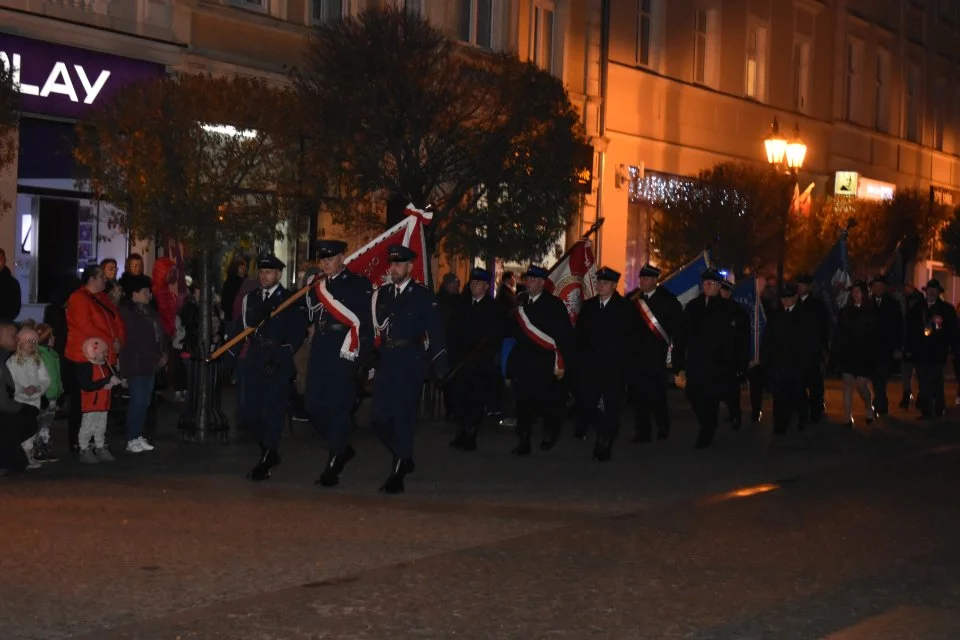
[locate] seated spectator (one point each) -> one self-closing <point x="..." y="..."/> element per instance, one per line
<point x="18" y="421"/>
<point x="30" y="382"/>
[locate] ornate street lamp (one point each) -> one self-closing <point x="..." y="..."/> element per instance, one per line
<point x="785" y="155"/>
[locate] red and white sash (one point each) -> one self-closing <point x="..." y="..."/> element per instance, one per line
<point x="647" y="314"/>
<point x="351" y="342"/>
<point x="539" y="338"/>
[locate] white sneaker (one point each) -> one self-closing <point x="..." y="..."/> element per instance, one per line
<point x="103" y="455"/>
<point x="134" y="446"/>
<point x="87" y="456"/>
<point x="144" y="445"/>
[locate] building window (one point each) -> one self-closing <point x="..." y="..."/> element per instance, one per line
<point x="644" y="31"/>
<point x="912" y="124"/>
<point x="705" y="47"/>
<point x="801" y="77"/>
<point x="475" y="22"/>
<point x="256" y="5"/>
<point x="756" y="63"/>
<point x="327" y="11"/>
<point x="853" y="89"/>
<point x="939" y="112"/>
<point x="542" y="40"/>
<point x="881" y="106"/>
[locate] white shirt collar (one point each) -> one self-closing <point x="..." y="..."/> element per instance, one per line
<point x="651" y="292"/>
<point x="604" y="301"/>
<point x="271" y="290"/>
<point x="804" y="298"/>
<point x="475" y="300"/>
<point x="403" y="285"/>
<point x="536" y="297"/>
<point x="791" y="307"/>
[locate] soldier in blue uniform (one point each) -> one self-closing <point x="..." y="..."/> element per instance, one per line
<point x="409" y="330"/>
<point x="339" y="305"/>
<point x="269" y="360"/>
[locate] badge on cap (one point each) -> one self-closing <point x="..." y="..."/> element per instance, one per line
<point x="400" y="253"/>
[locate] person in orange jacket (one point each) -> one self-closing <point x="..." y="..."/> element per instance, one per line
<point x="90" y="314"/>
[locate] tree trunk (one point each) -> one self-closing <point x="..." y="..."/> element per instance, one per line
<point x="203" y="369"/>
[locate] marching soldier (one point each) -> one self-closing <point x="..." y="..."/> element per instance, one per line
<point x="269" y="360"/>
<point x="813" y="383"/>
<point x="408" y="327"/>
<point x="602" y="334"/>
<point x="706" y="353"/>
<point x="789" y="352"/>
<point x="538" y="361"/>
<point x="339" y="305"/>
<point x="930" y="334"/>
<point x="659" y="316"/>
<point x="888" y="321"/>
<point x="743" y="325"/>
<point x="474" y="346"/>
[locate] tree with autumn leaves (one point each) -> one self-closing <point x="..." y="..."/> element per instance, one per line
<point x="9" y="101"/>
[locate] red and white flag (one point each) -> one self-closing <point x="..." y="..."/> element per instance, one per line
<point x="574" y="278"/>
<point x="371" y="261"/>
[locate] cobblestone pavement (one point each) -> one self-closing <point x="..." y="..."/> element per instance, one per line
<point x="846" y="537"/>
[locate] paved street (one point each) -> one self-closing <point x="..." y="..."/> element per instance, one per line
<point x="825" y="535"/>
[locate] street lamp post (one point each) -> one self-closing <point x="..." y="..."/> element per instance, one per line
<point x="785" y="155"/>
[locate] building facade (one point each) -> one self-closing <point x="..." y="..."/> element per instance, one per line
<point x="872" y="85"/>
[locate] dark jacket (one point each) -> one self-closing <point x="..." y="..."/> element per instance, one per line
<point x="146" y="341"/>
<point x="791" y="344"/>
<point x="820" y="315"/>
<point x="706" y="347"/>
<point x="9" y="295"/>
<point x="229" y="291"/>
<point x="601" y="337"/>
<point x="507" y="298"/>
<point x="855" y="342"/>
<point x="931" y="331"/>
<point x="473" y="337"/>
<point x="190" y="321"/>
<point x="648" y="346"/>
<point x="888" y="327"/>
<point x="528" y="360"/>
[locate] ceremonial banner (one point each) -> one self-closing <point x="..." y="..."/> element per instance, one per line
<point x="174" y="251"/>
<point x="685" y="283"/>
<point x="574" y="278"/>
<point x="895" y="270"/>
<point x="370" y="260"/>
<point x="747" y="295"/>
<point x="831" y="280"/>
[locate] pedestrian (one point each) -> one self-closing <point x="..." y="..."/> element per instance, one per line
<point x="10" y="301"/>
<point x="659" y="317"/>
<point x="30" y="381"/>
<point x="339" y="309"/>
<point x="931" y="328"/>
<point x="90" y="314"/>
<point x="888" y="327"/>
<point x="270" y="361"/>
<point x="50" y="403"/>
<point x="911" y="299"/>
<point x="132" y="268"/>
<point x="141" y="357"/>
<point x="17" y="420"/>
<point x="539" y="361"/>
<point x="236" y="275"/>
<point x="732" y="399"/>
<point x="789" y="351"/>
<point x="164" y="279"/>
<point x="507" y="293"/>
<point x="813" y="383"/>
<point x="449" y="299"/>
<point x="111" y="288"/>
<point x="96" y="378"/>
<point x="706" y="353"/>
<point x="406" y="318"/>
<point x="856" y="349"/>
<point x="474" y="338"/>
<point x="603" y="333"/>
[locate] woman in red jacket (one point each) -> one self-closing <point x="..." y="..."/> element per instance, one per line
<point x="90" y="314"/>
<point x="164" y="284"/>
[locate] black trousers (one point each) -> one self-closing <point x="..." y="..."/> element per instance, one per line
<point x="16" y="428"/>
<point x="879" y="379"/>
<point x="472" y="390"/>
<point x="789" y="398"/>
<point x="540" y="397"/>
<point x="705" y="402"/>
<point x="931" y="399"/>
<point x="732" y="400"/>
<point x="813" y="390"/>
<point x="757" y="377"/>
<point x="649" y="394"/>
<point x="72" y="390"/>
<point x="599" y="403"/>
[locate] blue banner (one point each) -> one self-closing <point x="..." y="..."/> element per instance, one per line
<point x="831" y="280"/>
<point x="685" y="283"/>
<point x="746" y="293"/>
<point x="895" y="270"/>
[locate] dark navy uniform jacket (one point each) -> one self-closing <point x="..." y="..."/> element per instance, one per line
<point x="352" y="291"/>
<point x="406" y="319"/>
<point x="278" y="338"/>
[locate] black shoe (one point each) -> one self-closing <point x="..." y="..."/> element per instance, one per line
<point x="757" y="417"/>
<point x="458" y="442"/>
<point x="45" y="456"/>
<point x="580" y="434"/>
<point x="548" y="443"/>
<point x="522" y="449"/>
<point x="703" y="442"/>
<point x="394" y="483"/>
<point x="469" y="442"/>
<point x="904" y="403"/>
<point x="735" y="423"/>
<point x="663" y="435"/>
<point x="335" y="466"/>
<point x="261" y="471"/>
<point x="642" y="437"/>
<point x="601" y="451"/>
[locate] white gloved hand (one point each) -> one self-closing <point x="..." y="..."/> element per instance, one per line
<point x="310" y="280"/>
<point x="370" y="375"/>
<point x="348" y="355"/>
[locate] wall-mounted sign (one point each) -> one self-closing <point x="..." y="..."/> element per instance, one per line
<point x="845" y="183"/>
<point x="584" y="169"/>
<point x="64" y="81"/>
<point x="875" y="190"/>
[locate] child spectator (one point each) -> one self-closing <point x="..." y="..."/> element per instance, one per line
<point x="96" y="378"/>
<point x="31" y="381"/>
<point x="50" y="403"/>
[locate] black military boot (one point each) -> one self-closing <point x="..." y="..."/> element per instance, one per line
<point x="469" y="442"/>
<point x="335" y="466"/>
<point x="549" y="439"/>
<point x="401" y="467"/>
<point x="460" y="441"/>
<point x="523" y="447"/>
<point x="905" y="401"/>
<point x="268" y="460"/>
<point x="601" y="450"/>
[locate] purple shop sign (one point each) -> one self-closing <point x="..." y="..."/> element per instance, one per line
<point x="67" y="82"/>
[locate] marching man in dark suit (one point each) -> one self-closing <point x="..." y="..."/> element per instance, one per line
<point x="602" y="335"/>
<point x="409" y="332"/>
<point x="706" y="353"/>
<point x="269" y="360"/>
<point x="888" y="323"/>
<point x="475" y="332"/>
<point x="659" y="315"/>
<point x="743" y="324"/>
<point x="813" y="382"/>
<point x="539" y="361"/>
<point x="931" y="327"/>
<point x="339" y="306"/>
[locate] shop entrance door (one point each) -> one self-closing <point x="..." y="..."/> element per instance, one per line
<point x="57" y="245"/>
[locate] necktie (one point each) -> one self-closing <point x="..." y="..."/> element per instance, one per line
<point x="396" y="291"/>
<point x="266" y="294"/>
<point x="475" y="301"/>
